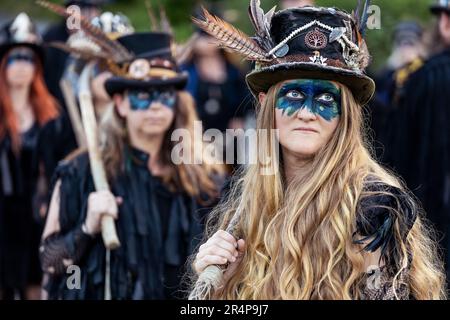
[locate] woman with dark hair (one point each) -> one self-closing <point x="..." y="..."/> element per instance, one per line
<point x="25" y="106"/>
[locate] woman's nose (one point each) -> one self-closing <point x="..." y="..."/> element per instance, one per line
<point x="306" y="114"/>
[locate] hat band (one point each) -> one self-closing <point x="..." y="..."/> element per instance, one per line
<point x="142" y="69"/>
<point x="309" y="25"/>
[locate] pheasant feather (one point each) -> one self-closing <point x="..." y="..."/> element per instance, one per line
<point x="114" y="49"/>
<point x="231" y="38"/>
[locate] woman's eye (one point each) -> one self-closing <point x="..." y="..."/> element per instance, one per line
<point x="326" y="97"/>
<point x="294" y="94"/>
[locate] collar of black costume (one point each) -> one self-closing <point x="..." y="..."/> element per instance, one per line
<point x="136" y="155"/>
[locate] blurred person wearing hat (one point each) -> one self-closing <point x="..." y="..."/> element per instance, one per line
<point x="158" y="203"/>
<point x="59" y="32"/>
<point x="81" y="50"/>
<point x="217" y="84"/>
<point x="25" y="107"/>
<point x="56" y="64"/>
<point x="423" y="143"/>
<point x="331" y="218"/>
<point x="408" y="55"/>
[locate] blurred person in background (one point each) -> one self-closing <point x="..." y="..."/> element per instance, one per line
<point x="423" y="135"/>
<point x="61" y="130"/>
<point x="159" y="205"/>
<point x="57" y="59"/>
<point x="408" y="54"/>
<point x="217" y="86"/>
<point x="25" y="106"/>
<point x="219" y="89"/>
<point x="113" y="25"/>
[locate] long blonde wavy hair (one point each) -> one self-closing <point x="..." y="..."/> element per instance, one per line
<point x="195" y="179"/>
<point x="299" y="236"/>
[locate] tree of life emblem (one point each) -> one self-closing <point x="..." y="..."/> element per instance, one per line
<point x="316" y="39"/>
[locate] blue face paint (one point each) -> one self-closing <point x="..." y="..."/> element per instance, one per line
<point x="320" y="97"/>
<point x="19" y="57"/>
<point x="142" y="100"/>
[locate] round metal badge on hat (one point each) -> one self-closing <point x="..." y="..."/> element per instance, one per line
<point x="316" y="39"/>
<point x="139" y="69"/>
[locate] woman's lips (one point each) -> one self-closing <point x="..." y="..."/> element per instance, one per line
<point x="306" y="130"/>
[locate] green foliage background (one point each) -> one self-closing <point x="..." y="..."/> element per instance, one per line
<point x="179" y="11"/>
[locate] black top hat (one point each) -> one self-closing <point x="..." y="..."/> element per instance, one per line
<point x="440" y="6"/>
<point x="152" y="65"/>
<point x="307" y="42"/>
<point x="20" y="32"/>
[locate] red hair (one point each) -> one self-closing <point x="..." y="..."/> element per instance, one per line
<point x="45" y="107"/>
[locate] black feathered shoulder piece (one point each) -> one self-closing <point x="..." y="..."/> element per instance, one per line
<point x="380" y="207"/>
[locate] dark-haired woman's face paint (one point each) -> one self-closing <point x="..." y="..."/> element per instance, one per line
<point x="142" y="100"/>
<point x="320" y="97"/>
<point x="20" y="54"/>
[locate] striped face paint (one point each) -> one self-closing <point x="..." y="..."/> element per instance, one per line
<point x="320" y="97"/>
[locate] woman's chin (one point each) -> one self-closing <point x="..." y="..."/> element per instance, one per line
<point x="304" y="152"/>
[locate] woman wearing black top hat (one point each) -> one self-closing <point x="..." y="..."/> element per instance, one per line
<point x="158" y="205"/>
<point x="330" y="223"/>
<point x="25" y="106"/>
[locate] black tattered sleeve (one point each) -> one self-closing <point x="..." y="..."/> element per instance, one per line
<point x="381" y="207"/>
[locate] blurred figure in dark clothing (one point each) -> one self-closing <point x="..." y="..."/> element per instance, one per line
<point x="25" y="107"/>
<point x="407" y="57"/>
<point x="217" y="86"/>
<point x="423" y="136"/>
<point x="59" y="132"/>
<point x="56" y="59"/>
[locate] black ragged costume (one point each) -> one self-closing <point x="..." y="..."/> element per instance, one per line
<point x="20" y="228"/>
<point x="380" y="207"/>
<point x="158" y="230"/>
<point x="423" y="141"/>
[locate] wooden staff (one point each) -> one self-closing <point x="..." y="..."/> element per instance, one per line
<point x="210" y="280"/>
<point x="74" y="113"/>
<point x="109" y="234"/>
<point x="97" y="169"/>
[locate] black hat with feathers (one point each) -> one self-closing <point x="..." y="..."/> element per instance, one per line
<point x="307" y="42"/>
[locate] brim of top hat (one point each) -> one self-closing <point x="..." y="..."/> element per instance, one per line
<point x="4" y="48"/>
<point x="362" y="87"/>
<point x="119" y="85"/>
<point x="436" y="9"/>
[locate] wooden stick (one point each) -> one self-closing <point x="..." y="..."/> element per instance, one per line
<point x="73" y="111"/>
<point x="109" y="234"/>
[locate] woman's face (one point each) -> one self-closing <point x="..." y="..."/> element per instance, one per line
<point x="307" y="113"/>
<point x="20" y="67"/>
<point x="148" y="113"/>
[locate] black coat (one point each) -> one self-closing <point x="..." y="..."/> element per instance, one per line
<point x="158" y="230"/>
<point x="20" y="229"/>
<point x="423" y="140"/>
